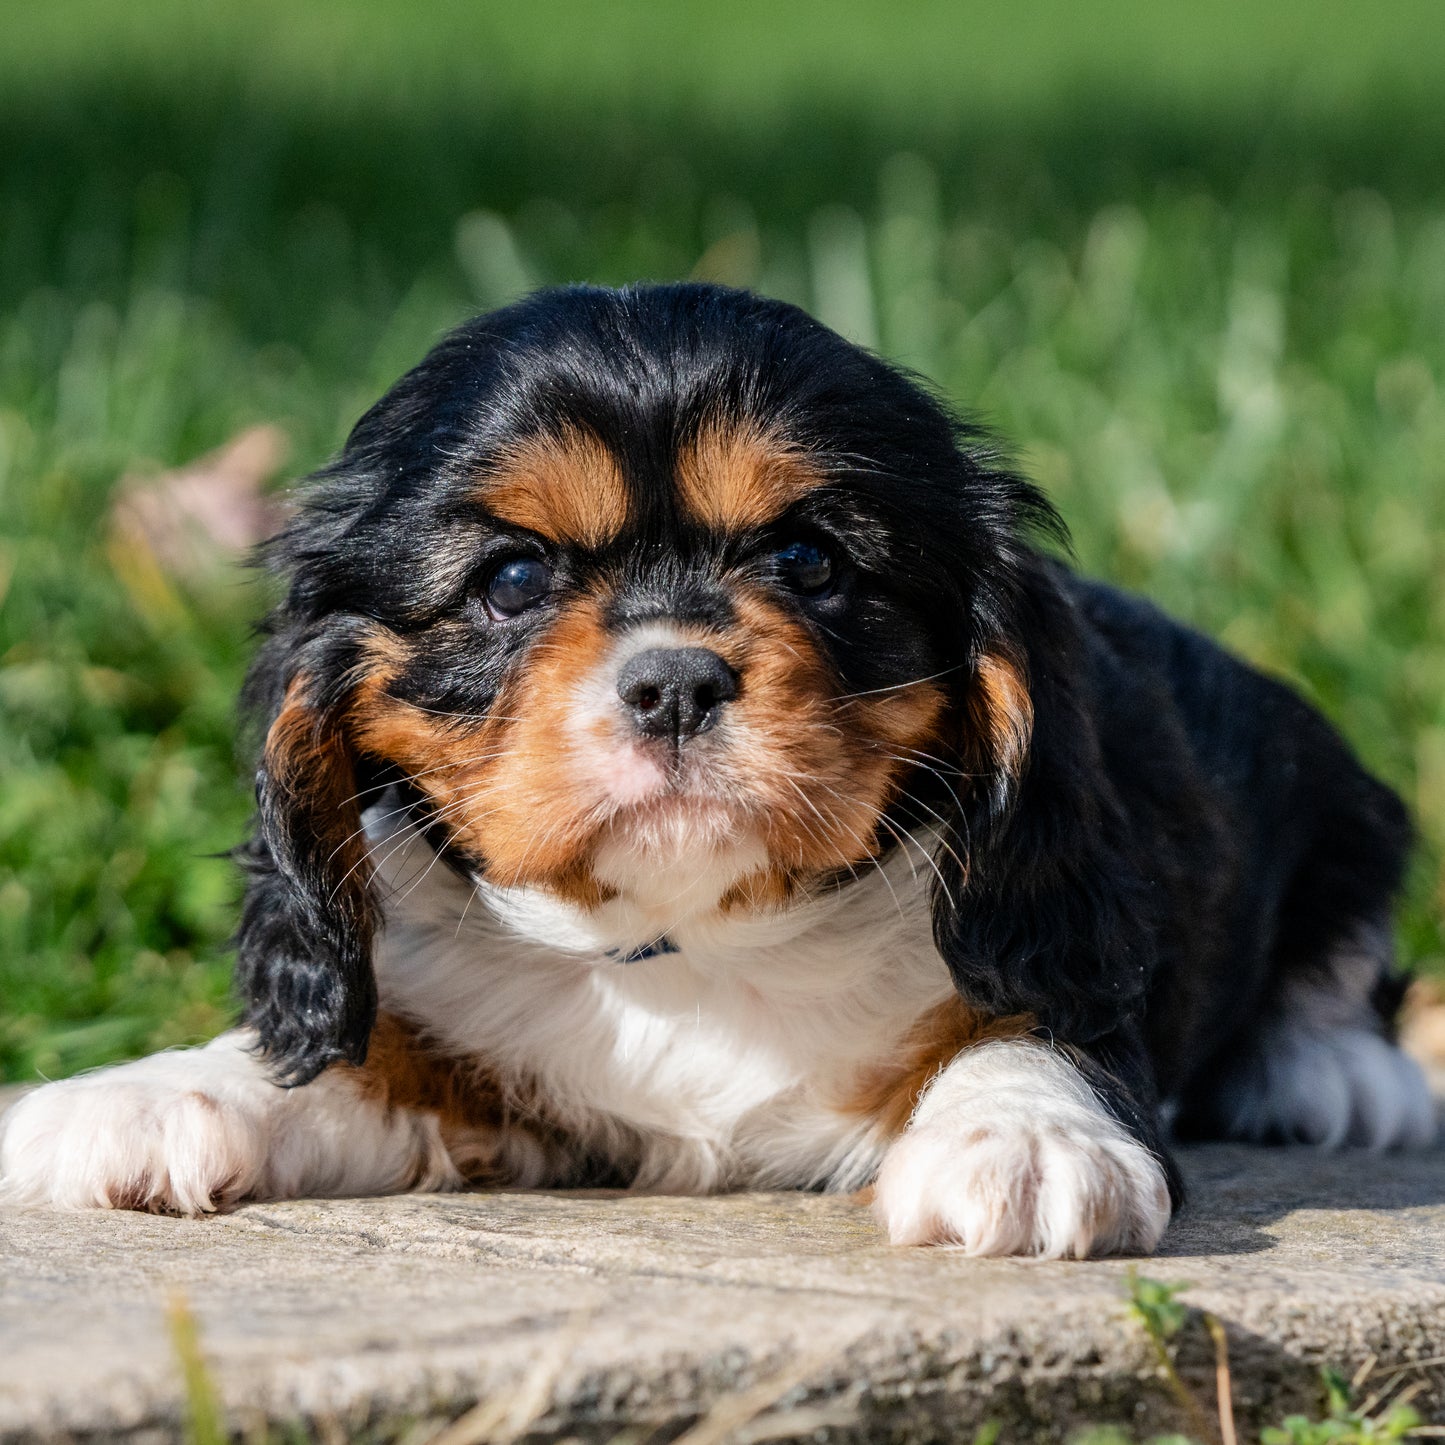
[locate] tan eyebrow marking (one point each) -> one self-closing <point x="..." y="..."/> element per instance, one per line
<point x="734" y="477"/>
<point x="566" y="487"/>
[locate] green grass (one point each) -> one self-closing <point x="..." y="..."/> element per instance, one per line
<point x="1190" y="259"/>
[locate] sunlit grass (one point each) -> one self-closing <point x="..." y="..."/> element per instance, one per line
<point x="1218" y="339"/>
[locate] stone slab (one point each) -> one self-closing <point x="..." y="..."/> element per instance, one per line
<point x="605" y="1316"/>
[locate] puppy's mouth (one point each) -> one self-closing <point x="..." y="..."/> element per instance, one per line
<point x="705" y="771"/>
<point x="676" y="795"/>
<point x="679" y="849"/>
<point x="680" y="818"/>
<point x="634" y="774"/>
<point x="679" y="824"/>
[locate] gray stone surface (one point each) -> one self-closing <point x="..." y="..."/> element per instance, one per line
<point x="388" y="1318"/>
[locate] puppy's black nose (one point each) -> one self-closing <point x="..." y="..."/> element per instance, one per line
<point x="674" y="692"/>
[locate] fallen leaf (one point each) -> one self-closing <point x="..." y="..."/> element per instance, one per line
<point x="192" y="522"/>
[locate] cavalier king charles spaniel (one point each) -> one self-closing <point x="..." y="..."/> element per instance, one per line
<point x="683" y="772"/>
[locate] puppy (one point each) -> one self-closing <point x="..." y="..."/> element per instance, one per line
<point x="682" y="772"/>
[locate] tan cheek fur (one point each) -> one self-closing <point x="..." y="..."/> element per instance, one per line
<point x="505" y="787"/>
<point x="824" y="766"/>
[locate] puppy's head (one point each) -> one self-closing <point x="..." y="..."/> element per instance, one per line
<point x="667" y="594"/>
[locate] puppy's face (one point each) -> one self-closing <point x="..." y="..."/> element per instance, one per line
<point x="702" y="683"/>
<point x="671" y="594"/>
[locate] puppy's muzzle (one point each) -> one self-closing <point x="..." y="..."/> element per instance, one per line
<point x="676" y="692"/>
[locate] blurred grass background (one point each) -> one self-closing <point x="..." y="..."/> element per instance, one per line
<point x="1189" y="258"/>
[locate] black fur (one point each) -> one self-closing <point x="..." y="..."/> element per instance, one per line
<point x="1185" y="835"/>
<point x="303" y="962"/>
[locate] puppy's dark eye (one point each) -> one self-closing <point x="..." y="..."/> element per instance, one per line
<point x="517" y="585"/>
<point x="806" y="567"/>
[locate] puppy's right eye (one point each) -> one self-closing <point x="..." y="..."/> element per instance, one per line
<point x="516" y="585"/>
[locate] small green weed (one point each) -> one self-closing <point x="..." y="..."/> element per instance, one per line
<point x="1157" y="1307"/>
<point x="205" y="1424"/>
<point x="1345" y="1423"/>
<point x="1381" y="1418"/>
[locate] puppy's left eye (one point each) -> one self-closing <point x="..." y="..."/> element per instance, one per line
<point x="517" y="585"/>
<point x="806" y="567"/>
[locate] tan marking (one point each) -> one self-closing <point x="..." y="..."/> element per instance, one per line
<point x="888" y="1093"/>
<point x="734" y="478"/>
<point x="1001" y="714"/>
<point x="428" y="745"/>
<point x="386" y="655"/>
<point x="504" y="785"/>
<point x="308" y="763"/>
<point x="827" y="767"/>
<point x="404" y="1070"/>
<point x="566" y="488"/>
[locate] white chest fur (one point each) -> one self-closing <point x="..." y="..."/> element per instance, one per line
<point x="730" y="1060"/>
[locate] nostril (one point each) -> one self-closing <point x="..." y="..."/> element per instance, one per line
<point x="676" y="692"/>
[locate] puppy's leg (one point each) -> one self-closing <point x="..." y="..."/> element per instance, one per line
<point x="1321" y="1067"/>
<point x="196" y="1130"/>
<point x="1011" y="1151"/>
<point x="1315" y="1061"/>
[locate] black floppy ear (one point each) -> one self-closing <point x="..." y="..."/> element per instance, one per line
<point x="1041" y="905"/>
<point x="303" y="965"/>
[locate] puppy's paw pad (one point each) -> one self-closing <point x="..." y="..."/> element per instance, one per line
<point x="108" y="1141"/>
<point x="1024" y="1190"/>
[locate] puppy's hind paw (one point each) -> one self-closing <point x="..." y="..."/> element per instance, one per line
<point x="1328" y="1087"/>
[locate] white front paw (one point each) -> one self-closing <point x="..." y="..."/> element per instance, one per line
<point x="1010" y="1152"/>
<point x="135" y="1137"/>
<point x="1022" y="1191"/>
